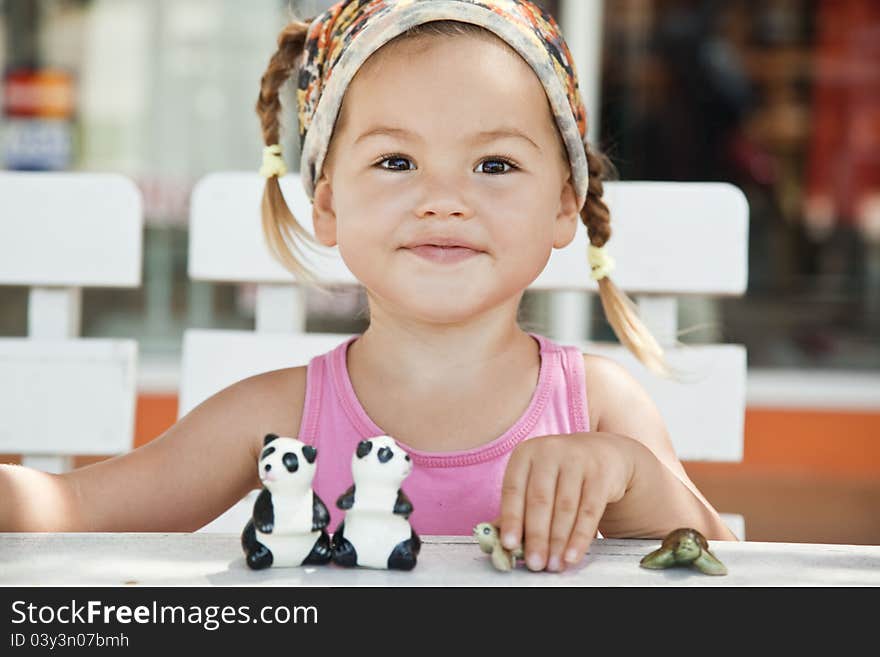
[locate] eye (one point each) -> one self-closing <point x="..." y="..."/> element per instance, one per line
<point x="497" y="165"/>
<point x="290" y="462"/>
<point x="364" y="448"/>
<point x="398" y="162"/>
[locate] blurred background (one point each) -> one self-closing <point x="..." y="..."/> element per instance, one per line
<point x="780" y="97"/>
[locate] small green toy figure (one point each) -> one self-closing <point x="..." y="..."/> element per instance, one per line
<point x="503" y="559"/>
<point x="685" y="547"/>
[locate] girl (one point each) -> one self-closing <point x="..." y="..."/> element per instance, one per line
<point x="443" y="147"/>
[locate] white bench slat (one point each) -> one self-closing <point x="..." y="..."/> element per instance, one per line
<point x="245" y="353"/>
<point x="67" y="396"/>
<point x="649" y="221"/>
<point x="225" y="234"/>
<point x="705" y="414"/>
<point x="54" y="312"/>
<point x="654" y="227"/>
<point x="708" y="428"/>
<point x="70" y="229"/>
<point x="57" y="464"/>
<point x="280" y="308"/>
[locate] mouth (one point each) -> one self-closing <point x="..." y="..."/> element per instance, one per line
<point x="444" y="254"/>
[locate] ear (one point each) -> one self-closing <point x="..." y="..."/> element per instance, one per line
<point x="269" y="438"/>
<point x="323" y="214"/>
<point x="567" y="218"/>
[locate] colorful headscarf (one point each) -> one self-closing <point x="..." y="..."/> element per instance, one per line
<point x="341" y="39"/>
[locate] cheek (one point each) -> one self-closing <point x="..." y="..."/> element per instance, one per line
<point x="538" y="205"/>
<point x="363" y="239"/>
<point x="520" y="224"/>
<point x="368" y="221"/>
<point x="369" y="203"/>
<point x="524" y="244"/>
<point x="528" y="195"/>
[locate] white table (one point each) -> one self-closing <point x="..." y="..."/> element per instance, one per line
<point x="205" y="559"/>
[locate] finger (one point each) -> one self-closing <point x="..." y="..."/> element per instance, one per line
<point x="513" y="500"/>
<point x="565" y="508"/>
<point x="589" y="513"/>
<point x="540" y="497"/>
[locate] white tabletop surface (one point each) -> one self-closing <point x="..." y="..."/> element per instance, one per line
<point x="205" y="559"/>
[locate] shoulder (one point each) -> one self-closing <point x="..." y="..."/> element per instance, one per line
<point x="271" y="402"/>
<point x="620" y="404"/>
<point x="290" y="379"/>
<point x="610" y="388"/>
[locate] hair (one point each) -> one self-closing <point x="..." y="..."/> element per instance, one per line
<point x="282" y="229"/>
<point x="283" y="232"/>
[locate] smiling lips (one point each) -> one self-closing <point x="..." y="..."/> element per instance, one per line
<point x="443" y="254"/>
<point x="444" y="250"/>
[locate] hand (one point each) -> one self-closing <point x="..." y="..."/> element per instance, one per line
<point x="557" y="488"/>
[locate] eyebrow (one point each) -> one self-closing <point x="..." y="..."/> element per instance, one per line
<point x="483" y="136"/>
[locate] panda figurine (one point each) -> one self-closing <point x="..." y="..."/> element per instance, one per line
<point x="288" y="523"/>
<point x="376" y="532"/>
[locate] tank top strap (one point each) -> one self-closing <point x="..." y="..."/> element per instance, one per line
<point x="570" y="362"/>
<point x="319" y="385"/>
<point x="308" y="425"/>
<point x="573" y="365"/>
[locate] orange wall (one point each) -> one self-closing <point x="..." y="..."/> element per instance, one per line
<point x="830" y="441"/>
<point x="154" y="414"/>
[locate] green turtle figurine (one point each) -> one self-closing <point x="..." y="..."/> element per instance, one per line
<point x="685" y="547"/>
<point x="490" y="543"/>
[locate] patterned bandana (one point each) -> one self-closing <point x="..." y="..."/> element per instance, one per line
<point x="341" y="39"/>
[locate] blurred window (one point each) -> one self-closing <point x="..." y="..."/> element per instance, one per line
<point x="781" y="98"/>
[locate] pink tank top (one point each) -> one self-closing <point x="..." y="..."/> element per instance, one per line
<point x="450" y="491"/>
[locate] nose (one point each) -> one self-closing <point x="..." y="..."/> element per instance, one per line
<point x="443" y="199"/>
<point x="442" y="213"/>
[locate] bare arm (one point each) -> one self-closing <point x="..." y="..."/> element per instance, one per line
<point x="178" y="482"/>
<point x="662" y="497"/>
<point x="31" y="500"/>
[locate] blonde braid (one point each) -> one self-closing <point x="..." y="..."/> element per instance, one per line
<point x="620" y="311"/>
<point x="284" y="234"/>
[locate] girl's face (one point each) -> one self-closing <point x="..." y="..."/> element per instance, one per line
<point x="445" y="141"/>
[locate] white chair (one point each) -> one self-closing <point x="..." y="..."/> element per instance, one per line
<point x="669" y="239"/>
<point x="62" y="395"/>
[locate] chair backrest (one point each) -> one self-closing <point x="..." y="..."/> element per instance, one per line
<point x="670" y="240"/>
<point x="62" y="395"/>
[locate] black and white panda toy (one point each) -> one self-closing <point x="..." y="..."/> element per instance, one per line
<point x="288" y="523"/>
<point x="376" y="532"/>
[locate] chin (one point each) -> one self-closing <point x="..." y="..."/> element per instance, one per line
<point x="444" y="311"/>
<point x="441" y="306"/>
<point x="436" y="299"/>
